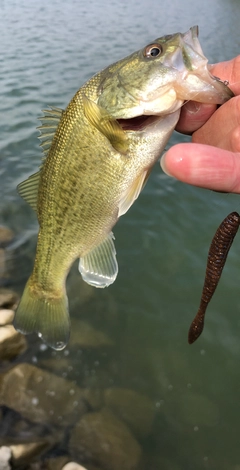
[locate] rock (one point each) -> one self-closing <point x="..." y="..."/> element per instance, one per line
<point x="8" y="298"/>
<point x="6" y="316"/>
<point x="84" y="335"/>
<point x="58" y="364"/>
<point x="24" y="453"/>
<point x="12" y="343"/>
<point x="3" y="265"/>
<point x="135" y="409"/>
<point x="93" y="467"/>
<point x="197" y="410"/>
<point x="6" y="236"/>
<point x="94" y="397"/>
<point x="55" y="463"/>
<point x="73" y="466"/>
<point x="63" y="463"/>
<point x="102" y="438"/>
<point x="41" y="396"/>
<point x="5" y="456"/>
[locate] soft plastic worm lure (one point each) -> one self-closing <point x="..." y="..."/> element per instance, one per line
<point x="217" y="256"/>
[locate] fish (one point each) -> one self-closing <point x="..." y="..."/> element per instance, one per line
<point x="217" y="256"/>
<point x="98" y="154"/>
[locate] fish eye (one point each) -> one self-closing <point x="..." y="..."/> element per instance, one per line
<point x="153" y="50"/>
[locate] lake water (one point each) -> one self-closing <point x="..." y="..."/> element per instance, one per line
<point x="47" y="51"/>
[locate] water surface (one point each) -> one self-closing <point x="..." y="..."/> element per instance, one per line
<point x="47" y="51"/>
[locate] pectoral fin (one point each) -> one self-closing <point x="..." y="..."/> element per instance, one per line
<point x="99" y="267"/>
<point x="108" y="126"/>
<point x="132" y="193"/>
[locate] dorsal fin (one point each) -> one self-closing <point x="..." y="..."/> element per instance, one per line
<point x="50" y="121"/>
<point x="28" y="190"/>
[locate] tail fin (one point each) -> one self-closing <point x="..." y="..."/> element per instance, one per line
<point x="48" y="318"/>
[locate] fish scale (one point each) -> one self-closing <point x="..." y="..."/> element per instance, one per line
<point x="99" y="153"/>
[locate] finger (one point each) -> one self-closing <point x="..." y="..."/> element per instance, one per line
<point x="194" y="115"/>
<point x="204" y="166"/>
<point x="229" y="70"/>
<point x="222" y="129"/>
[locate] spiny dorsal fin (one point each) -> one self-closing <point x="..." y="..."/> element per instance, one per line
<point x="50" y="121"/>
<point x="108" y="126"/>
<point x="28" y="190"/>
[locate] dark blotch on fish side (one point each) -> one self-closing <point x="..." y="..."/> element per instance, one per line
<point x="217" y="256"/>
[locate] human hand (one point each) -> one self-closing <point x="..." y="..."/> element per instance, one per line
<point x="212" y="160"/>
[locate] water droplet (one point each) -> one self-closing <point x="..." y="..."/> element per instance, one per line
<point x="35" y="401"/>
<point x="66" y="352"/>
<point x="50" y="393"/>
<point x="159" y="403"/>
<point x="202" y="352"/>
<point x="43" y="347"/>
<point x="71" y="392"/>
<point x="196" y="428"/>
<point x="40" y="335"/>
<point x="34" y="359"/>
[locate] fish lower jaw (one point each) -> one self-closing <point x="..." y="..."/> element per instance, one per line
<point x="138" y="123"/>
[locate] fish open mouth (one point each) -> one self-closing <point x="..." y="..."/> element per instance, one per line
<point x="137" y="123"/>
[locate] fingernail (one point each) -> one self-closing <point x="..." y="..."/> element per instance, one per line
<point x="192" y="107"/>
<point x="163" y="164"/>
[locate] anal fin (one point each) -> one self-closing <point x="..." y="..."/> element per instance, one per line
<point x="99" y="267"/>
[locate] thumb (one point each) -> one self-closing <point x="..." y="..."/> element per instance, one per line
<point x="203" y="165"/>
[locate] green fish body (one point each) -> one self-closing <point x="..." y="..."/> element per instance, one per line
<point x="98" y="155"/>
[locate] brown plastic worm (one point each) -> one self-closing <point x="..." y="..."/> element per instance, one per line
<point x="217" y="256"/>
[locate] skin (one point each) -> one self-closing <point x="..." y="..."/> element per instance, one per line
<point x="212" y="159"/>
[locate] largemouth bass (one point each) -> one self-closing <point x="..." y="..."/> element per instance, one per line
<point x="98" y="155"/>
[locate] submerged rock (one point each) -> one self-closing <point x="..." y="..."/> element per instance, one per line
<point x="55" y="463"/>
<point x="8" y="298"/>
<point x="197" y="410"/>
<point x="73" y="466"/>
<point x="6" y="236"/>
<point x="102" y="438"/>
<point x="5" y="456"/>
<point x="3" y="266"/>
<point x="85" y="335"/>
<point x="25" y="452"/>
<point x="135" y="409"/>
<point x="41" y="396"/>
<point x="12" y="343"/>
<point x="6" y="316"/>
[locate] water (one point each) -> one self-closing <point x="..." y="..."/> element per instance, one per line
<point x="48" y="49"/>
